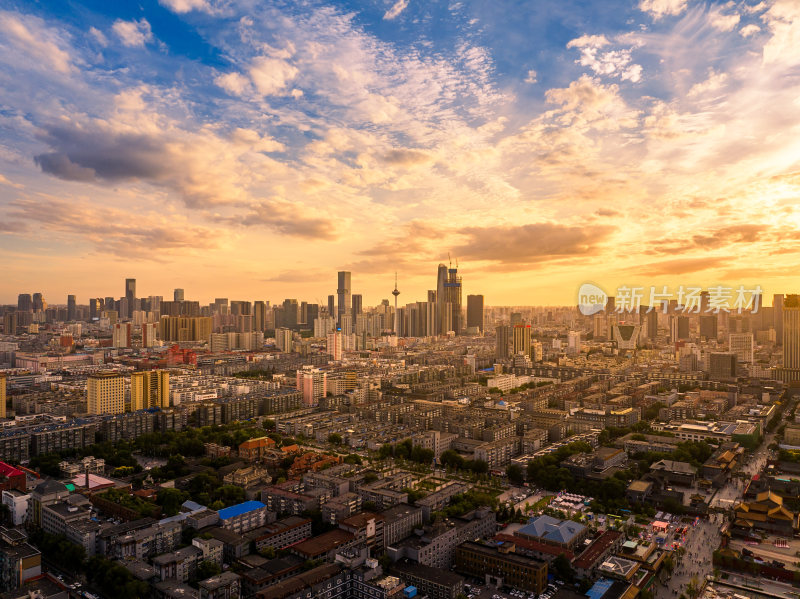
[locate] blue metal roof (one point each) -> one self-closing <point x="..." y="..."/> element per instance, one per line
<point x="600" y="588"/>
<point x="239" y="509"/>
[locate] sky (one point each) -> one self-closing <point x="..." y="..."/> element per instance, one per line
<point x="248" y="149"/>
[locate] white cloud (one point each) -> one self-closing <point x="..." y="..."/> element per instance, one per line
<point x="133" y="33"/>
<point x="715" y="82"/>
<point x="783" y="21"/>
<point x="99" y="36"/>
<point x="531" y="77"/>
<point x="723" y="22"/>
<point x="30" y="38"/>
<point x="749" y="30"/>
<point x="395" y="10"/>
<point x="612" y="63"/>
<point x="593" y="41"/>
<point x="271" y="75"/>
<point x="661" y="8"/>
<point x="235" y="84"/>
<point x="184" y="6"/>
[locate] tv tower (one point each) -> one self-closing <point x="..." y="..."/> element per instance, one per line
<point x="395" y="293"/>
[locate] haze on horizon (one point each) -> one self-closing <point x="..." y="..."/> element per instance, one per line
<point x="252" y="149"/>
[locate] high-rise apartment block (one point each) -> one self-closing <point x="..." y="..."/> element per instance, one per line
<point x="149" y="334"/>
<point x="502" y="342"/>
<point x="284" y="339"/>
<point x="335" y="345"/>
<point x="121" y="334"/>
<point x="149" y="389"/>
<point x="311" y="382"/>
<point x="521" y="343"/>
<point x="105" y="393"/>
<point x="186" y="328"/>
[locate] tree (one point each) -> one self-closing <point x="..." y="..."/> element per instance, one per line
<point x="694" y="588"/>
<point x="563" y="568"/>
<point x="171" y="500"/>
<point x="268" y="552"/>
<point x="335" y="438"/>
<point x="353" y="459"/>
<point x="452" y="459"/>
<point x="269" y="424"/>
<point x="478" y="466"/>
<point x="515" y="474"/>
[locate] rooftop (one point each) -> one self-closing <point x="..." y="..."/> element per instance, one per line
<point x="323" y="543"/>
<point x="552" y="529"/>
<point x="596" y="549"/>
<point x="430" y="573"/>
<point x="239" y="509"/>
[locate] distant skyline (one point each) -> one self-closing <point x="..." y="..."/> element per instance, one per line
<point x="253" y="149"/>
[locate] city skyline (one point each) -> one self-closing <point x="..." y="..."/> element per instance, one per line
<point x="255" y="148"/>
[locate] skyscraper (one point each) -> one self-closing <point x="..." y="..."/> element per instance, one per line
<point x="448" y="299"/>
<point x="130" y="295"/>
<point x="357" y="305"/>
<point x="791" y="335"/>
<point x="332" y="306"/>
<point x="38" y="302"/>
<point x="777" y="315"/>
<point x="72" y="308"/>
<point x="259" y="316"/>
<point x="708" y="326"/>
<point x="177" y="295"/>
<point x="475" y="312"/>
<point x="24" y="302"/>
<point x="105" y="393"/>
<point x="95" y="307"/>
<point x="344" y="303"/>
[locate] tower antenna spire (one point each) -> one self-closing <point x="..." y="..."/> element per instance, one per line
<point x="395" y="293"/>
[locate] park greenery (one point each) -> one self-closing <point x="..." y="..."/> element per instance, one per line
<point x="406" y="450"/>
<point x="452" y="459"/>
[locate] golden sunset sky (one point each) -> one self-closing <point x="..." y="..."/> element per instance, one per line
<point x="251" y="149"/>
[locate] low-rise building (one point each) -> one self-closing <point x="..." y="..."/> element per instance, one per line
<point x="283" y="533"/>
<point x="501" y="565"/>
<point x="431" y="582"/>
<point x="222" y="586"/>
<point x="243" y="516"/>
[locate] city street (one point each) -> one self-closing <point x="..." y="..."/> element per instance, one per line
<point x="701" y="541"/>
